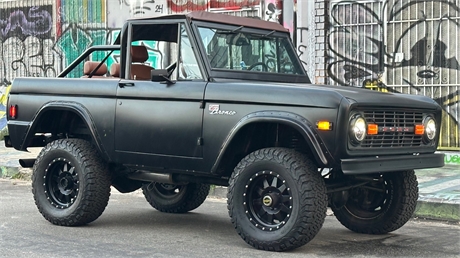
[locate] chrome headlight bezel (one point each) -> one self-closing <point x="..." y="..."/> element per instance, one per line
<point x="357" y="128"/>
<point x="430" y="129"/>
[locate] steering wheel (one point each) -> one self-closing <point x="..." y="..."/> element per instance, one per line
<point x="264" y="66"/>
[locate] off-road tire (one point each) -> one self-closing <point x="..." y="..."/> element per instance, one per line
<point x="175" y="198"/>
<point x="277" y="199"/>
<point x="70" y="182"/>
<point x="377" y="212"/>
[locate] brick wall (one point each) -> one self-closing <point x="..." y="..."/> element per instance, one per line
<point x="321" y="39"/>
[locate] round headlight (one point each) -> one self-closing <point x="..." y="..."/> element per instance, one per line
<point x="430" y="128"/>
<point x="358" y="128"/>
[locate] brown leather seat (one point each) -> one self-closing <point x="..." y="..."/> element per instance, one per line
<point x="139" y="70"/>
<point x="115" y="70"/>
<point x="89" y="67"/>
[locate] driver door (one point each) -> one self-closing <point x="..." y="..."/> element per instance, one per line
<point x="159" y="124"/>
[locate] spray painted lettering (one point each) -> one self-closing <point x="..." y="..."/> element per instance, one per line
<point x="32" y="21"/>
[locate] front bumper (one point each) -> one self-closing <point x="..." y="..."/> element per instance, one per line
<point x="391" y="163"/>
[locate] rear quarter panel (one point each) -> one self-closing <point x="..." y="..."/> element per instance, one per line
<point x="97" y="96"/>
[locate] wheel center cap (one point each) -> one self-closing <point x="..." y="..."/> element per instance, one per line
<point x="64" y="182"/>
<point x="267" y="200"/>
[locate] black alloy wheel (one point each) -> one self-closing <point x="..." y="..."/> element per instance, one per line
<point x="61" y="183"/>
<point x="268" y="200"/>
<point x="276" y="199"/>
<point x="382" y="206"/>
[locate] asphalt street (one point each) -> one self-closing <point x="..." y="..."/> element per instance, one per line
<point x="129" y="227"/>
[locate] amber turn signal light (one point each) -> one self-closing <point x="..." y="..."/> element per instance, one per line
<point x="324" y="125"/>
<point x="372" y="129"/>
<point x="419" y="129"/>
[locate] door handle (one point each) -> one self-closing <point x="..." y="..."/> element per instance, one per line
<point x="125" y="84"/>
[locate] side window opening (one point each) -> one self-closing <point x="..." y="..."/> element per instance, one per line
<point x="171" y="51"/>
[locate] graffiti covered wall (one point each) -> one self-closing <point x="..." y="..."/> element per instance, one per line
<point x="406" y="46"/>
<point x="26" y="47"/>
<point x="4" y="89"/>
<point x="26" y="42"/>
<point x="305" y="35"/>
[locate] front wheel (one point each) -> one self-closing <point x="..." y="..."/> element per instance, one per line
<point x="70" y="182"/>
<point x="381" y="206"/>
<point x="277" y="199"/>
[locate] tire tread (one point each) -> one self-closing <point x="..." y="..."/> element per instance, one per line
<point x="97" y="182"/>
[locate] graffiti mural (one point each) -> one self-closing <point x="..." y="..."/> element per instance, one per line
<point x="30" y="21"/>
<point x="306" y="37"/>
<point x="180" y="6"/>
<point x="119" y="11"/>
<point x="413" y="50"/>
<point x="4" y="89"/>
<point x="233" y="4"/>
<point x="273" y="11"/>
<point x="80" y="24"/>
<point x="26" y="44"/>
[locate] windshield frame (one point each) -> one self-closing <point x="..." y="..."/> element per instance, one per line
<point x="302" y="77"/>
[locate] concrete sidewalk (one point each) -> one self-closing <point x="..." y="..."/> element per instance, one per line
<point x="439" y="188"/>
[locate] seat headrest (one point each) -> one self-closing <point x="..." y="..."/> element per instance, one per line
<point x="89" y="66"/>
<point x="139" y="54"/>
<point x="115" y="70"/>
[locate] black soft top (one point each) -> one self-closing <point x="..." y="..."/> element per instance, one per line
<point x="145" y="33"/>
<point x="222" y="18"/>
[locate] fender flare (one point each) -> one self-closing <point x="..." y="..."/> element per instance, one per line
<point x="302" y="125"/>
<point x="71" y="106"/>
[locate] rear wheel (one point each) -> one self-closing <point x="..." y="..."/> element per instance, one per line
<point x="382" y="206"/>
<point x="277" y="199"/>
<point x="175" y="198"/>
<point x="70" y="182"/>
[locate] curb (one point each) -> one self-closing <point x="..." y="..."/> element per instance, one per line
<point x="218" y="192"/>
<point x="7" y="172"/>
<point x="438" y="211"/>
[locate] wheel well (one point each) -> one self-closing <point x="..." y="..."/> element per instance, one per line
<point x="261" y="135"/>
<point x="62" y="124"/>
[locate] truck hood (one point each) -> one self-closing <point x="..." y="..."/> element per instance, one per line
<point x="302" y="94"/>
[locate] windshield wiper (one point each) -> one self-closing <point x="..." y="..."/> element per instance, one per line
<point x="237" y="29"/>
<point x="268" y="34"/>
<point x="265" y="36"/>
<point x="231" y="31"/>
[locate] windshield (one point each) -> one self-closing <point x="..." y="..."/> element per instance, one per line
<point x="244" y="51"/>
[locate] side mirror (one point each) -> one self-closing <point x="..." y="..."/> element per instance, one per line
<point x="160" y="75"/>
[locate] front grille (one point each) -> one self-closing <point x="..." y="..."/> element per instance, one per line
<point x="396" y="129"/>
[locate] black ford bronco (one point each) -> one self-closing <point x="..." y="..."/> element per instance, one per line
<point x="202" y="98"/>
